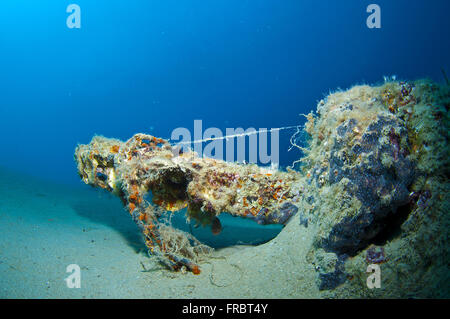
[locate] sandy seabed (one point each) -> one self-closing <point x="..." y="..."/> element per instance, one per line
<point x="45" y="227"/>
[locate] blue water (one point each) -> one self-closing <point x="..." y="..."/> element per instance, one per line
<point x="152" y="66"/>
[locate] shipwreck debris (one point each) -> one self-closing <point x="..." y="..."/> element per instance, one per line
<point x="151" y="178"/>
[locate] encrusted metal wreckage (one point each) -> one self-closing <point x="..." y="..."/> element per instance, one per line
<point x="152" y="177"/>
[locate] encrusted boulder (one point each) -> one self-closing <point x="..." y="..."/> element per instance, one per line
<point x="374" y="172"/>
<point x="378" y="171"/>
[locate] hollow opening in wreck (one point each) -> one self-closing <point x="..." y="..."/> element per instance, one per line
<point x="392" y="225"/>
<point x="235" y="230"/>
<point x="390" y="228"/>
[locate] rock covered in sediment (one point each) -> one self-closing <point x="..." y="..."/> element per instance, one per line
<point x="376" y="173"/>
<point x="361" y="150"/>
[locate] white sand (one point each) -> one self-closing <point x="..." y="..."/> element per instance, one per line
<point x="45" y="227"/>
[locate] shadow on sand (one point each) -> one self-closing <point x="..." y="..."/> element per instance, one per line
<point x="103" y="208"/>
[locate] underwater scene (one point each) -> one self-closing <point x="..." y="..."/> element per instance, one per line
<point x="186" y="149"/>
